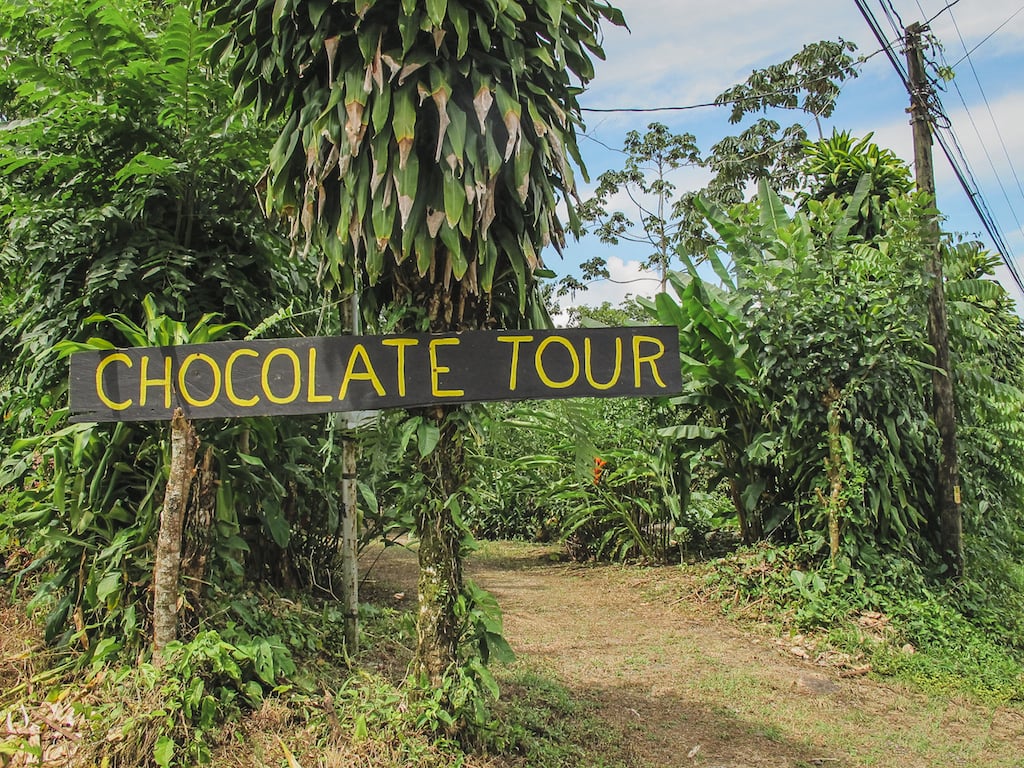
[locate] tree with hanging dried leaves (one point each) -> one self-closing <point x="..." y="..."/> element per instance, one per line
<point x="424" y="148"/>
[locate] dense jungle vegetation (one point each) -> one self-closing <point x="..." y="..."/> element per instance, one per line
<point x="796" y="471"/>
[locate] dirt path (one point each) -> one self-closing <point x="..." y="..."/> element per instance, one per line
<point x="678" y="685"/>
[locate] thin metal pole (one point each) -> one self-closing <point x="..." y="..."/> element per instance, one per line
<point x="350" y="516"/>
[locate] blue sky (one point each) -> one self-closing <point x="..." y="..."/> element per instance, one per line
<point x="681" y="52"/>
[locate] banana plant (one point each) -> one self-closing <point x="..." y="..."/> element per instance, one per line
<point x="809" y="341"/>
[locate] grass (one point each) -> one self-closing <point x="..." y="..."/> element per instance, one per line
<point x="544" y="724"/>
<point x="925" y="716"/>
<point x="921" y="638"/>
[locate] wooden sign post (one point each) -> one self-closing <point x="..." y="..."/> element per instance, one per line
<point x="282" y="377"/>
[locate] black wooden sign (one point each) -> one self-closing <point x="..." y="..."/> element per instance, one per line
<point x="350" y="373"/>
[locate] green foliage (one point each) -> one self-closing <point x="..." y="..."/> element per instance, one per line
<point x="392" y="728"/>
<point x="835" y="166"/>
<point x="549" y="725"/>
<point x="86" y="499"/>
<point x="719" y="371"/>
<point x="423" y="151"/>
<point x="424" y="147"/>
<point x="124" y="174"/>
<point x="645" y="177"/>
<point x="809" y="81"/>
<point x="166" y="716"/>
<point x="87" y="508"/>
<point x="887" y="616"/>
<point x="816" y="322"/>
<point x="629" y="312"/>
<point x="604" y="482"/>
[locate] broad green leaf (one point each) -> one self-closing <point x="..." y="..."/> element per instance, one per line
<point x="459" y="17"/>
<point x="853" y="210"/>
<point x="277" y="525"/>
<point x="108" y="585"/>
<point x="427" y="437"/>
<point x="454" y="198"/>
<point x="404" y="121"/>
<point x="163" y="751"/>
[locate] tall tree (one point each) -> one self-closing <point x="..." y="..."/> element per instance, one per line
<point x="424" y="150"/>
<point x="646" y="180"/>
<point x="808" y="81"/>
<point x="123" y="174"/>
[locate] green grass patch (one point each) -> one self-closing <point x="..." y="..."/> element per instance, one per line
<point x="891" y="617"/>
<point x="544" y="725"/>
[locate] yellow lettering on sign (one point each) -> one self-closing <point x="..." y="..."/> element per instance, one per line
<point x="311" y="395"/>
<point x="639" y="359"/>
<point x="265" y="376"/>
<point x="367" y="374"/>
<point x="436" y="370"/>
<point x="119" y="357"/>
<point x="401" y="344"/>
<point x="229" y="386"/>
<point x="615" y="373"/>
<point x="515" y="341"/>
<point x="548" y="381"/>
<point x="216" y="380"/>
<point x="145" y="382"/>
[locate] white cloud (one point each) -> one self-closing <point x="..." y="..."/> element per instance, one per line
<point x="683" y="52"/>
<point x="627" y="278"/>
<point x="687" y="51"/>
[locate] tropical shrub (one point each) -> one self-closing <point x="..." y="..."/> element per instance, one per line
<point x="125" y="174"/>
<point x="816" y="395"/>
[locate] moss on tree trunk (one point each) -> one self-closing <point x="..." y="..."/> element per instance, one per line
<point x="167" y="565"/>
<point x="440" y="555"/>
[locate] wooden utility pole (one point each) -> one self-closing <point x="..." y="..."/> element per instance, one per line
<point x="349" y="543"/>
<point x="947" y="483"/>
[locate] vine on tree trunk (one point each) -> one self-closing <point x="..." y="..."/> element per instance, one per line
<point x="167" y="565"/>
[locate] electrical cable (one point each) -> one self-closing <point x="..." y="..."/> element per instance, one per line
<point x="893" y="16"/>
<point x="988" y="106"/>
<point x="988" y="156"/>
<point x="933" y="18"/>
<point x="876" y="29"/>
<point x="995" y="124"/>
<point x="987" y="37"/>
<point x="723" y="102"/>
<point x="980" y="207"/>
<point x="962" y="174"/>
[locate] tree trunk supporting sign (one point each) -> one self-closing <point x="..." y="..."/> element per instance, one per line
<point x="167" y="566"/>
<point x="440" y="558"/>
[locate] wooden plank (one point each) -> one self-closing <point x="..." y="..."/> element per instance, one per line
<point x="350" y="373"/>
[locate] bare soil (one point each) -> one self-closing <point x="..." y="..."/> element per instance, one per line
<point x="678" y="684"/>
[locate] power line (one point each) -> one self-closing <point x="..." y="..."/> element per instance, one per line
<point x="654" y="109"/>
<point x="933" y="18"/>
<point x="987" y="37"/>
<point x="876" y="29"/>
<point x="893" y="16"/>
<point x="970" y="187"/>
<point x="961" y="168"/>
<point x="995" y="124"/>
<point x="722" y="102"/>
<point x="988" y="156"/>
